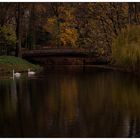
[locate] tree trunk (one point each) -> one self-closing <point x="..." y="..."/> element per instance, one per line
<point x="31" y="35"/>
<point x="56" y="13"/>
<point x="130" y="10"/>
<point x="58" y="33"/>
<point x="136" y="13"/>
<point x="33" y="26"/>
<point x="18" y="31"/>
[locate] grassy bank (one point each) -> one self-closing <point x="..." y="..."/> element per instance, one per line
<point x="126" y="49"/>
<point x="8" y="63"/>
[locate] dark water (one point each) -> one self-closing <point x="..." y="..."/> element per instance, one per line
<point x="71" y="103"/>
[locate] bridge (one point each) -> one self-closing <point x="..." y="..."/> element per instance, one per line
<point x="64" y="56"/>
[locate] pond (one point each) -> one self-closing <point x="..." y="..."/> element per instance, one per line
<point x="70" y="102"/>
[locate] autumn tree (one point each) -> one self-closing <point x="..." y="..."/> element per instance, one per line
<point x="100" y="23"/>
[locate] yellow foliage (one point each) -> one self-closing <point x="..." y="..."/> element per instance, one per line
<point x="50" y="26"/>
<point x="52" y="20"/>
<point x="69" y="36"/>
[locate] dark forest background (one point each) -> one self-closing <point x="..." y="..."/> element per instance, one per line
<point x="64" y="25"/>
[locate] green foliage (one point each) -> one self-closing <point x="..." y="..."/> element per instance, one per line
<point x="7" y="63"/>
<point x="7" y="36"/>
<point x="126" y="48"/>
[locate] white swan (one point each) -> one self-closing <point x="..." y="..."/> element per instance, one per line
<point x="17" y="74"/>
<point x="30" y="72"/>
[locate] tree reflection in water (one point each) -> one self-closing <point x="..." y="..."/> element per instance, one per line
<point x="89" y="104"/>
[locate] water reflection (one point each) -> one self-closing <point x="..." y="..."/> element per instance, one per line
<point x="83" y="104"/>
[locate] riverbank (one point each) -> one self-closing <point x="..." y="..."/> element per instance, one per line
<point x="8" y="63"/>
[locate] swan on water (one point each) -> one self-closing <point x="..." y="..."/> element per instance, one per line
<point x="17" y="74"/>
<point x="30" y="72"/>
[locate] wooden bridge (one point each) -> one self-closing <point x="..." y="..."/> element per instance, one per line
<point x="56" y="52"/>
<point x="63" y="56"/>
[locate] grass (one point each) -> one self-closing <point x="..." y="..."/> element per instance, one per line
<point x="126" y="49"/>
<point x="8" y="63"/>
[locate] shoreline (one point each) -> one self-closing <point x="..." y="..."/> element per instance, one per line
<point x="101" y="66"/>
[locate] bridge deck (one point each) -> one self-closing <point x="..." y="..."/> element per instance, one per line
<point x="57" y="52"/>
<point x="64" y="56"/>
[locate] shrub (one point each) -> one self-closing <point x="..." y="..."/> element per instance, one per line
<point x="126" y="48"/>
<point x="7" y="38"/>
<point x="8" y="34"/>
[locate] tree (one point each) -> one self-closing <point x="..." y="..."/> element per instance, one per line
<point x="5" y="13"/>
